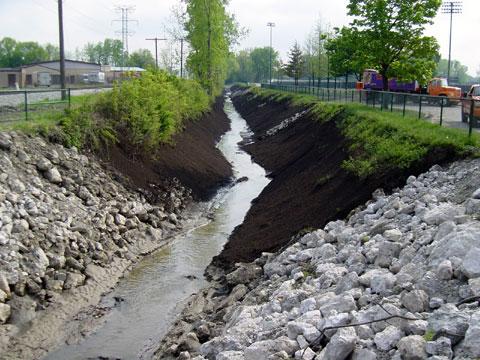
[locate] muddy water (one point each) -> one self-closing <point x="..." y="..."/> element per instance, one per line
<point x="149" y="298"/>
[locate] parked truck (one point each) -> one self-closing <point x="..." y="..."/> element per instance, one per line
<point x="440" y="87"/>
<point x="471" y="98"/>
<point x="372" y="80"/>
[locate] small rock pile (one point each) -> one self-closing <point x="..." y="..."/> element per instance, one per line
<point x="62" y="215"/>
<point x="400" y="279"/>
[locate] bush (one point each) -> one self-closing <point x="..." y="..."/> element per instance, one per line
<point x="143" y="111"/>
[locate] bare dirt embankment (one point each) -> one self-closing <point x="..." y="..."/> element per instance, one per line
<point x="309" y="187"/>
<point x="191" y="156"/>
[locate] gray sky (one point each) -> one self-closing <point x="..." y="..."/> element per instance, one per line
<point x="91" y="20"/>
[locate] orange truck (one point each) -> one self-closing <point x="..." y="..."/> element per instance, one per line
<point x="472" y="97"/>
<point x="439" y="87"/>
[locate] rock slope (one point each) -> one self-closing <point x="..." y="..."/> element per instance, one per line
<point x="399" y="279"/>
<point x="63" y="220"/>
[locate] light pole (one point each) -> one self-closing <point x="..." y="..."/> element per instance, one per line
<point x="451" y="7"/>
<point x="271" y="25"/>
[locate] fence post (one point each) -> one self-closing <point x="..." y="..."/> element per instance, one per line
<point x="404" y="104"/>
<point x="69" y="98"/>
<point x="391" y="103"/>
<point x="26" y="104"/>
<point x="382" y="99"/>
<point x="374" y="98"/>
<point x="470" y="125"/>
<point x="420" y="107"/>
<point x="360" y="96"/>
<point x="441" y="111"/>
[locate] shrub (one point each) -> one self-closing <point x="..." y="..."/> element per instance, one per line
<point x="143" y="111"/>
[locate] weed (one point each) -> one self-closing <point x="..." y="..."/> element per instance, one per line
<point x="429" y="335"/>
<point x="323" y="180"/>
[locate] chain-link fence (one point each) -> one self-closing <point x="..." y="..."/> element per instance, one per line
<point x="28" y="105"/>
<point x="461" y="113"/>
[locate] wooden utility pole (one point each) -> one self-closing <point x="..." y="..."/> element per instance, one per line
<point x="181" y="57"/>
<point x="62" y="48"/>
<point x="156" y="48"/>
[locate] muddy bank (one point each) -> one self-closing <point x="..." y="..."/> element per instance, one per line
<point x="191" y="157"/>
<point x="309" y="187"/>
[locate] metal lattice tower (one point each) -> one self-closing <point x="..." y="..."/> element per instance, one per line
<point x="451" y="7"/>
<point x="125" y="33"/>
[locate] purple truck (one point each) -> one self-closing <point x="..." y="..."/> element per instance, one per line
<point x="372" y="80"/>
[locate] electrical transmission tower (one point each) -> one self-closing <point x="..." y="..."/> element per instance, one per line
<point x="451" y="7"/>
<point x="125" y="32"/>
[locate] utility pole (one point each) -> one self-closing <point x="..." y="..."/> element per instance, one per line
<point x="62" y="48"/>
<point x="451" y="7"/>
<point x="125" y="10"/>
<point x="271" y="25"/>
<point x="156" y="48"/>
<point x="181" y="57"/>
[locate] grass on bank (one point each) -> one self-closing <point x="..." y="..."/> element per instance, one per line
<point x="143" y="112"/>
<point x="380" y="141"/>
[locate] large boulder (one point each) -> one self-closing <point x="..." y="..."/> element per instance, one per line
<point x="412" y="348"/>
<point x="340" y="345"/>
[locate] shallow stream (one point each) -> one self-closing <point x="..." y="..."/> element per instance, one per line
<point x="151" y="296"/>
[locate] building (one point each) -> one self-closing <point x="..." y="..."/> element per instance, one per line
<point x="113" y="73"/>
<point x="47" y="73"/>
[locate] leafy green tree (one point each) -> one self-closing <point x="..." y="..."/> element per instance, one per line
<point x="240" y="67"/>
<point x="315" y="52"/>
<point x="108" y="52"/>
<point x="53" y="52"/>
<point x="344" y="55"/>
<point x="16" y="53"/>
<point x="296" y="62"/>
<point x="458" y="71"/>
<point x="260" y="59"/>
<point x="210" y="32"/>
<point x="142" y="58"/>
<point x="391" y="34"/>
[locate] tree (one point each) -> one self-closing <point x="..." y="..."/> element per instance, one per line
<point x="392" y="39"/>
<point x="295" y="66"/>
<point x="314" y="52"/>
<point x="16" y="53"/>
<point x="142" y="58"/>
<point x="260" y="60"/>
<point x="108" y="52"/>
<point x="458" y="71"/>
<point x="344" y="55"/>
<point x="240" y="67"/>
<point x="53" y="52"/>
<point x="210" y="32"/>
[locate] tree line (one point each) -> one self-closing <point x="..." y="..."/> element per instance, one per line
<point x="385" y="35"/>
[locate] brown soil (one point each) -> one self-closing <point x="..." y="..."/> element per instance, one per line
<point x="309" y="186"/>
<point x="192" y="158"/>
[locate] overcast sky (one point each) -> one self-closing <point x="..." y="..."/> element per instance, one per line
<point x="91" y="20"/>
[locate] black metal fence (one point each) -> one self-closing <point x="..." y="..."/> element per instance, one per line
<point x="28" y="105"/>
<point x="452" y="112"/>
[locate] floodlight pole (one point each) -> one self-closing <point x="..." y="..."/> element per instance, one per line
<point x="451" y="7"/>
<point x="450" y="43"/>
<point x="271" y="25"/>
